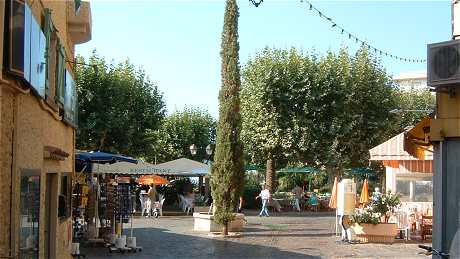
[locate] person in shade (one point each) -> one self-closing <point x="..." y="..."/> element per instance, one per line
<point x="298" y="192"/>
<point x="265" y="196"/>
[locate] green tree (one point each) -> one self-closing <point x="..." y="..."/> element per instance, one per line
<point x="180" y="130"/>
<point x="372" y="96"/>
<point x="322" y="111"/>
<point x="271" y="83"/>
<point x="227" y="176"/>
<point x="414" y="99"/>
<point x="118" y="105"/>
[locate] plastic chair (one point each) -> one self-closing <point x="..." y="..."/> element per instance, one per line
<point x="426" y="226"/>
<point x="189" y="205"/>
<point x="181" y="202"/>
<point x="403" y="224"/>
<point x="162" y="200"/>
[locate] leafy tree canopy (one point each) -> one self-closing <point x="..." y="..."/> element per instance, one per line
<point x="118" y="105"/>
<point x="180" y="130"/>
<point x="325" y="111"/>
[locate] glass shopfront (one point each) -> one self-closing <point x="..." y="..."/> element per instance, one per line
<point x="29" y="214"/>
<point x="415" y="187"/>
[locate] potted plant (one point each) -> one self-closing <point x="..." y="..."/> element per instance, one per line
<point x="371" y="222"/>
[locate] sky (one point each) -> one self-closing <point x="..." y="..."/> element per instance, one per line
<point x="177" y="43"/>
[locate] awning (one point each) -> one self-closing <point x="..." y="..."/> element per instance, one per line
<point x="102" y="157"/>
<point x="416" y="140"/>
<point x="305" y="170"/>
<point x="394" y="149"/>
<point x="183" y="167"/>
<point x="85" y="160"/>
<point x="178" y="167"/>
<point x="409" y="151"/>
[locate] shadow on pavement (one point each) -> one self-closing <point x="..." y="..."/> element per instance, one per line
<point x="280" y="234"/>
<point x="292" y="214"/>
<point x="159" y="243"/>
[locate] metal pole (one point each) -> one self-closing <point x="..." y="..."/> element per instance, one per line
<point x="446" y="169"/>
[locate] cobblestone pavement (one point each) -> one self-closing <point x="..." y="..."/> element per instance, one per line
<point x="286" y="235"/>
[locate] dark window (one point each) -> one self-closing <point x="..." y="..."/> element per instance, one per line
<point x="77" y="5"/>
<point x="64" y="203"/>
<point x="30" y="214"/>
<point x="17" y="36"/>
<point x="27" y="47"/>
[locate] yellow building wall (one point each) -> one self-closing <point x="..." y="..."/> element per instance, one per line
<point x="27" y="125"/>
<point x="38" y="128"/>
<point x="447" y="122"/>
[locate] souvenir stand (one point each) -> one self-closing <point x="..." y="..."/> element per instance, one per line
<point x="99" y="203"/>
<point x="119" y="209"/>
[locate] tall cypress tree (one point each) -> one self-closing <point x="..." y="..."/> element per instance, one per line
<point x="227" y="176"/>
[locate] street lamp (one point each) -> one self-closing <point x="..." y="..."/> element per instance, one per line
<point x="256" y="3"/>
<point x="209" y="150"/>
<point x="194" y="149"/>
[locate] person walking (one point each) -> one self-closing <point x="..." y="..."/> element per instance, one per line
<point x="152" y="194"/>
<point x="143" y="199"/>
<point x="240" y="205"/>
<point x="298" y="192"/>
<point x="265" y="196"/>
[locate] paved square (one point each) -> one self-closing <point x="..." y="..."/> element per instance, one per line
<point x="283" y="235"/>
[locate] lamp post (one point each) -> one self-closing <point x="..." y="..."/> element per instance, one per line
<point x="209" y="150"/>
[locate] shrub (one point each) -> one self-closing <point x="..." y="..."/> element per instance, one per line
<point x="380" y="206"/>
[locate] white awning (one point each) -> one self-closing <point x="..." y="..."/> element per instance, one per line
<point x="178" y="167"/>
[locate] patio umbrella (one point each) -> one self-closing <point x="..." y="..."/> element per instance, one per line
<point x="83" y="160"/>
<point x="333" y="199"/>
<point x="333" y="202"/>
<point x="152" y="179"/>
<point x="364" y="193"/>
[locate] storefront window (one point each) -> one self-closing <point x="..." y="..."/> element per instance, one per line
<point x="416" y="188"/>
<point x="423" y="191"/>
<point x="30" y="214"/>
<point x="403" y="190"/>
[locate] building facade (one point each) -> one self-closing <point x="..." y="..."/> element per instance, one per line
<point x="38" y="111"/>
<point x="412" y="81"/>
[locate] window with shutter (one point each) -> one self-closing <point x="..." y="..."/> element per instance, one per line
<point x="27" y="46"/>
<point x="60" y="74"/>
<point x="70" y="101"/>
<point x="49" y="30"/>
<point x="19" y="39"/>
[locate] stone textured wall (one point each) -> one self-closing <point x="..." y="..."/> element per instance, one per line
<point x="6" y="142"/>
<point x="26" y="127"/>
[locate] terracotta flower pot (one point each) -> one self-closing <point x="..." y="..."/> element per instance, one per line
<point x="380" y="233"/>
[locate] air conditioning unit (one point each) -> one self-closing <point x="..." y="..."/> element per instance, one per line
<point x="444" y="64"/>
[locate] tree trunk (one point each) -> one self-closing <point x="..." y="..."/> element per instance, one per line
<point x="225" y="229"/>
<point x="270" y="175"/>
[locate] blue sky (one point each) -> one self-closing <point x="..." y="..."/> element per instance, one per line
<point x="177" y="43"/>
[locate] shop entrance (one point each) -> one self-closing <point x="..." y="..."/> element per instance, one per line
<point x="51" y="214"/>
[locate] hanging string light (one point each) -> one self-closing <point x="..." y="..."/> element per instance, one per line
<point x="351" y="36"/>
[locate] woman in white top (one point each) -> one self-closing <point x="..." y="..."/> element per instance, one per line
<point x="265" y="196"/>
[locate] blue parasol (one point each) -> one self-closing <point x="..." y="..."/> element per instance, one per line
<point x="98" y="157"/>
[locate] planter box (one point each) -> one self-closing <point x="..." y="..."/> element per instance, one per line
<point x="205" y="222"/>
<point x="380" y="233"/>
